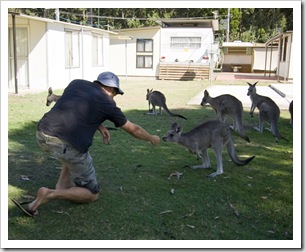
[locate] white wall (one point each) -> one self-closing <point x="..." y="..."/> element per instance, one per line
<point x="237" y="59"/>
<point x="56" y="56"/>
<point x="88" y="71"/>
<point x="59" y="75"/>
<point x="36" y="73"/>
<point x="37" y="54"/>
<point x="186" y="54"/>
<point x="123" y="53"/>
<point x="46" y="54"/>
<point x="286" y="67"/>
<point x="290" y="76"/>
<point x="260" y="57"/>
<point x="122" y="56"/>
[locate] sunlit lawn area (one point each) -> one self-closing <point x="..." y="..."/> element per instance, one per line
<point x="138" y="201"/>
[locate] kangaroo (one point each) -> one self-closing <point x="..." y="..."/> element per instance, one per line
<point x="227" y="106"/>
<point x="52" y="97"/>
<point x="291" y="112"/>
<point x="156" y="98"/>
<point x="214" y="134"/>
<point x="268" y="110"/>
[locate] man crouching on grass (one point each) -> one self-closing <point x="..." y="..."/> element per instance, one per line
<point x="67" y="132"/>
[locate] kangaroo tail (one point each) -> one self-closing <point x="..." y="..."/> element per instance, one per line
<point x="233" y="156"/>
<point x="276" y="133"/>
<point x="281" y="137"/>
<point x="246" y="138"/>
<point x="172" y="114"/>
<point x="240" y="129"/>
<point x="181" y="117"/>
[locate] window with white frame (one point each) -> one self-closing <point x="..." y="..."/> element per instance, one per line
<point x="144" y="53"/>
<point x="72" y="48"/>
<point x="97" y="50"/>
<point x="185" y="42"/>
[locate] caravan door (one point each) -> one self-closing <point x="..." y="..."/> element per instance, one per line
<point x="22" y="58"/>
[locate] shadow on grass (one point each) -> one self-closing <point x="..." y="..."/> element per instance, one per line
<point x="253" y="202"/>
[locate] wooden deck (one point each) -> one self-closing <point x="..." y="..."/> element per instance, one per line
<point x="183" y="71"/>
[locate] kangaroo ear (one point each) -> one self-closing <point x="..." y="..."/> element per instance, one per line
<point x="174" y="126"/>
<point x="206" y="92"/>
<point x="255" y="83"/>
<point x="178" y="129"/>
<point x="249" y="84"/>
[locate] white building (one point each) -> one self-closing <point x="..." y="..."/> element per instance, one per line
<point x="275" y="56"/>
<point x="177" y="45"/>
<point x="52" y="53"/>
<point x="282" y="48"/>
<point x="135" y="52"/>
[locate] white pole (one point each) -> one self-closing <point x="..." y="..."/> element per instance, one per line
<point x="228" y="25"/>
<point x="126" y="59"/>
<point x="57" y="14"/>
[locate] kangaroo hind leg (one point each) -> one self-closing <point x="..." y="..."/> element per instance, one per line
<point x="217" y="146"/>
<point x="260" y="127"/>
<point x="205" y="160"/>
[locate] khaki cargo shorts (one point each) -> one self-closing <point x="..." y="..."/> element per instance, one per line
<point x="80" y="165"/>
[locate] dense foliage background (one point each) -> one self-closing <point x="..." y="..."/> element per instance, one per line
<point x="247" y="25"/>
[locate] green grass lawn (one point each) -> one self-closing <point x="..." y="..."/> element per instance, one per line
<point x="251" y="202"/>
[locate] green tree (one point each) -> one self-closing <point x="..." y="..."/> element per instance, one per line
<point x="246" y="24"/>
<point x="235" y="20"/>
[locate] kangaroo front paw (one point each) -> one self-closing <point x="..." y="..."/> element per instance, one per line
<point x="258" y="129"/>
<point x="232" y="127"/>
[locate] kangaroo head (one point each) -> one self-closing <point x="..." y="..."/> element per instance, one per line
<point x="50" y="91"/>
<point x="251" y="89"/>
<point x="51" y="97"/>
<point x="148" y="93"/>
<point x="173" y="135"/>
<point x="205" y="98"/>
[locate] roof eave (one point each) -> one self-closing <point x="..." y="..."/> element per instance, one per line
<point x="47" y="20"/>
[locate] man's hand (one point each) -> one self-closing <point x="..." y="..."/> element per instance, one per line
<point x="140" y="133"/>
<point x="155" y="139"/>
<point x="105" y="133"/>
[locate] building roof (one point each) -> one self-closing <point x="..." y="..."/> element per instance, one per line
<point x="189" y="22"/>
<point x="47" y="20"/>
<point x="273" y="40"/>
<point x="127" y="34"/>
<point x="242" y="44"/>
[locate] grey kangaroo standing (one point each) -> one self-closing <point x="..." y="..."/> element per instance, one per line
<point x="268" y="110"/>
<point x="51" y="97"/>
<point x="212" y="134"/>
<point x="227" y="106"/>
<point x="156" y="98"/>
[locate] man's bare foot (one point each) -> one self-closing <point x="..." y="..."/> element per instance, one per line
<point x="41" y="198"/>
